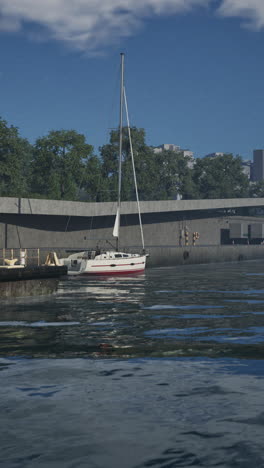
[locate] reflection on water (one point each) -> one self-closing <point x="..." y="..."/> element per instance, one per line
<point x="209" y="310"/>
<point x="161" y="370"/>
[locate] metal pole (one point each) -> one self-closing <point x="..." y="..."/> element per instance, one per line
<point x="120" y="141"/>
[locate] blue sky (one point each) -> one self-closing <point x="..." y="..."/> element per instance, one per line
<point x="194" y="70"/>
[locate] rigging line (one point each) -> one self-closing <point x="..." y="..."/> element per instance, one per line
<point x="134" y="171"/>
<point x="67" y="224"/>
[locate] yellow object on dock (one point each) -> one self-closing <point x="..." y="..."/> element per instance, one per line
<point x="52" y="259"/>
<point x="10" y="261"/>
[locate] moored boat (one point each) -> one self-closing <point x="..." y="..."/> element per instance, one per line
<point x="112" y="262"/>
<point x="105" y="263"/>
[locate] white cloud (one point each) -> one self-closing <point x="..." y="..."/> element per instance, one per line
<point x="86" y="24"/>
<point x="251" y="10"/>
<point x="90" y="25"/>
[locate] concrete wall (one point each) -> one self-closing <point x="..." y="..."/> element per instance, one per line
<point x="171" y="256"/>
<point x="85" y="233"/>
<point x="78" y="232"/>
<point x="62" y="226"/>
<point x="38" y="287"/>
<point x="68" y="208"/>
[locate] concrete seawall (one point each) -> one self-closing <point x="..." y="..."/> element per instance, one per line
<point x="169" y="256"/>
<point x="37" y="287"/>
<point x="174" y="255"/>
<point x="30" y="280"/>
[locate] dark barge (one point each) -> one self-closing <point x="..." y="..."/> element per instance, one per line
<point x="29" y="280"/>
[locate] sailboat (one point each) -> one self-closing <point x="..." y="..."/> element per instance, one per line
<point x="112" y="262"/>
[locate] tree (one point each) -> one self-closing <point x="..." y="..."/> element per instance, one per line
<point x="220" y="177"/>
<point x="144" y="164"/>
<point x="174" y="176"/>
<point x="60" y="165"/>
<point x="94" y="186"/>
<point x="15" y="158"/>
<point x="147" y="172"/>
<point x="257" y="189"/>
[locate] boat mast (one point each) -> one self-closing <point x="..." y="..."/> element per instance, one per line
<point x="120" y="143"/>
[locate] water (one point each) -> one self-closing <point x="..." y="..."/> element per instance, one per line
<point x="161" y="370"/>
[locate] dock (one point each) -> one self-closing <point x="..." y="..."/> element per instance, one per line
<point x="17" y="281"/>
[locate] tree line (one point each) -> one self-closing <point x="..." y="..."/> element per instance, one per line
<point x="63" y="166"/>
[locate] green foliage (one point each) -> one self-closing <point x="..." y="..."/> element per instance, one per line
<point x="94" y="185"/>
<point x="257" y="189"/>
<point x="160" y="176"/>
<point x="60" y="165"/>
<point x="174" y="175"/>
<point x="220" y="177"/>
<point x="147" y="175"/>
<point x="15" y="158"/>
<point x="110" y="156"/>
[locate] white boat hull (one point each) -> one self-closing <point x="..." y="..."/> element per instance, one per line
<point x="102" y="266"/>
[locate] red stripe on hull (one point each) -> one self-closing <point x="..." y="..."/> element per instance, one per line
<point x="122" y="264"/>
<point x="112" y="273"/>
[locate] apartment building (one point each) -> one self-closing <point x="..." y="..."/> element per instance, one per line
<point x="258" y="165"/>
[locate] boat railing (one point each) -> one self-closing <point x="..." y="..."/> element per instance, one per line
<point x="41" y="256"/>
<point x="18" y="256"/>
<point x="92" y="252"/>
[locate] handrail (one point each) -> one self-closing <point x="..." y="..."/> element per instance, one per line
<point x="20" y="255"/>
